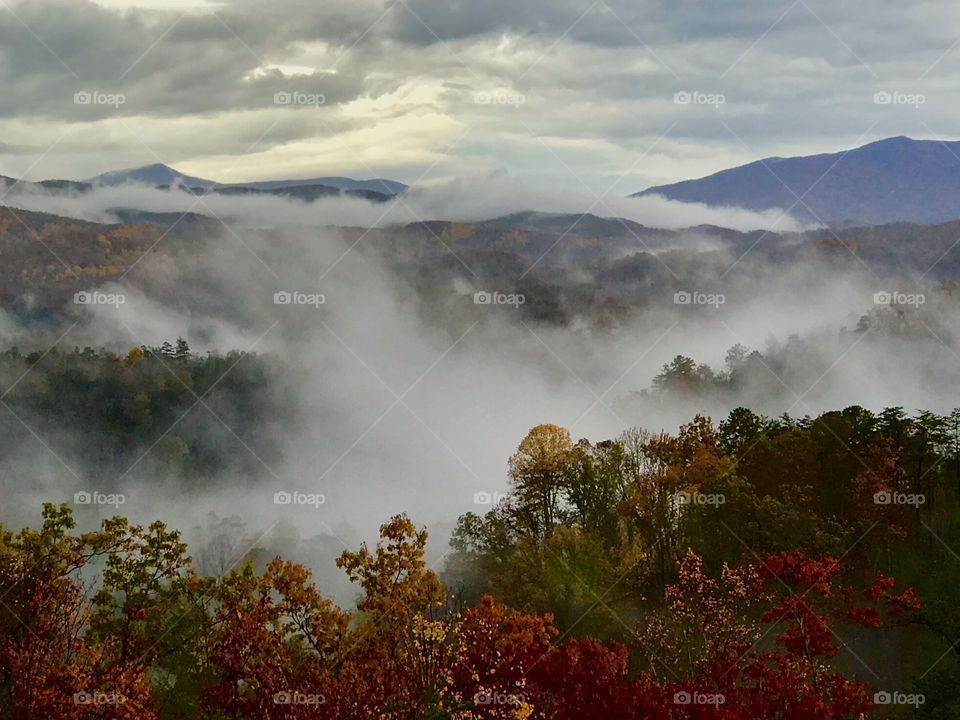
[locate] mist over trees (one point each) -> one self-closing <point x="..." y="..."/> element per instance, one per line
<point x="102" y="412"/>
<point x="757" y="568"/>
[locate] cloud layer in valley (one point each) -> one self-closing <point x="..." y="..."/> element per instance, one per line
<point x="465" y="199"/>
<point x="399" y="409"/>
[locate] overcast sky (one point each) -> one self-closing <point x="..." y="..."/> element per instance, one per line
<point x="415" y="90"/>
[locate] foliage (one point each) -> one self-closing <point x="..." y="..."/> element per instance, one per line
<point x="713" y="573"/>
<point x="147" y="412"/>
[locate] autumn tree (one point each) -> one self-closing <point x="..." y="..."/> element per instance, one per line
<point x="273" y="644"/>
<point x="49" y="667"/>
<point x="539" y="471"/>
<point x="399" y="594"/>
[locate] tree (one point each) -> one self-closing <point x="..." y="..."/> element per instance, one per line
<point x="596" y="486"/>
<point x="683" y="375"/>
<point x="740" y="431"/>
<point x="182" y="349"/>
<point x="49" y="668"/>
<point x="707" y="638"/>
<point x="273" y="642"/>
<point x="540" y="469"/>
<point x="688" y="463"/>
<point x="135" y="355"/>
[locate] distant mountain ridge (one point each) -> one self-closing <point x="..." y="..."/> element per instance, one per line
<point x="893" y="180"/>
<point x="631" y="265"/>
<point x="157" y="175"/>
<point x="160" y="175"/>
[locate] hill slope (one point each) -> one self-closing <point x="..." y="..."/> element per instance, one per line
<point x="892" y="180"/>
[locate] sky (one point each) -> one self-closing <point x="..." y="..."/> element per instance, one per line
<point x="608" y="96"/>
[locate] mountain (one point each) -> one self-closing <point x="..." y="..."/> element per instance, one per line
<point x="307" y="193"/>
<point x="159" y="175"/>
<point x="378" y="185"/>
<point x="894" y="180"/>
<point x="567" y="265"/>
<point x="9" y="186"/>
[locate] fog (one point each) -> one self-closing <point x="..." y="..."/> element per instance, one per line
<point x="401" y="411"/>
<point x="467" y="199"/>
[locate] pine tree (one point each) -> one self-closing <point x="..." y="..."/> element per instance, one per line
<point x="182" y="351"/>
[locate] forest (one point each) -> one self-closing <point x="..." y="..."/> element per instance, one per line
<point x="753" y="568"/>
<point x="152" y="411"/>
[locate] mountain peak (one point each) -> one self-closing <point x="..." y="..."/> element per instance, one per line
<point x="895" y="140"/>
<point x="156" y="175"/>
<point x="890" y="180"/>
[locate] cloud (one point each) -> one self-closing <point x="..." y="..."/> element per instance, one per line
<point x="199" y="83"/>
<point x="402" y="409"/>
<point x="466" y="199"/>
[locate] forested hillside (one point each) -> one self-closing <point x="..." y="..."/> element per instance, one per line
<point x="788" y="568"/>
<point x="152" y="412"/>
